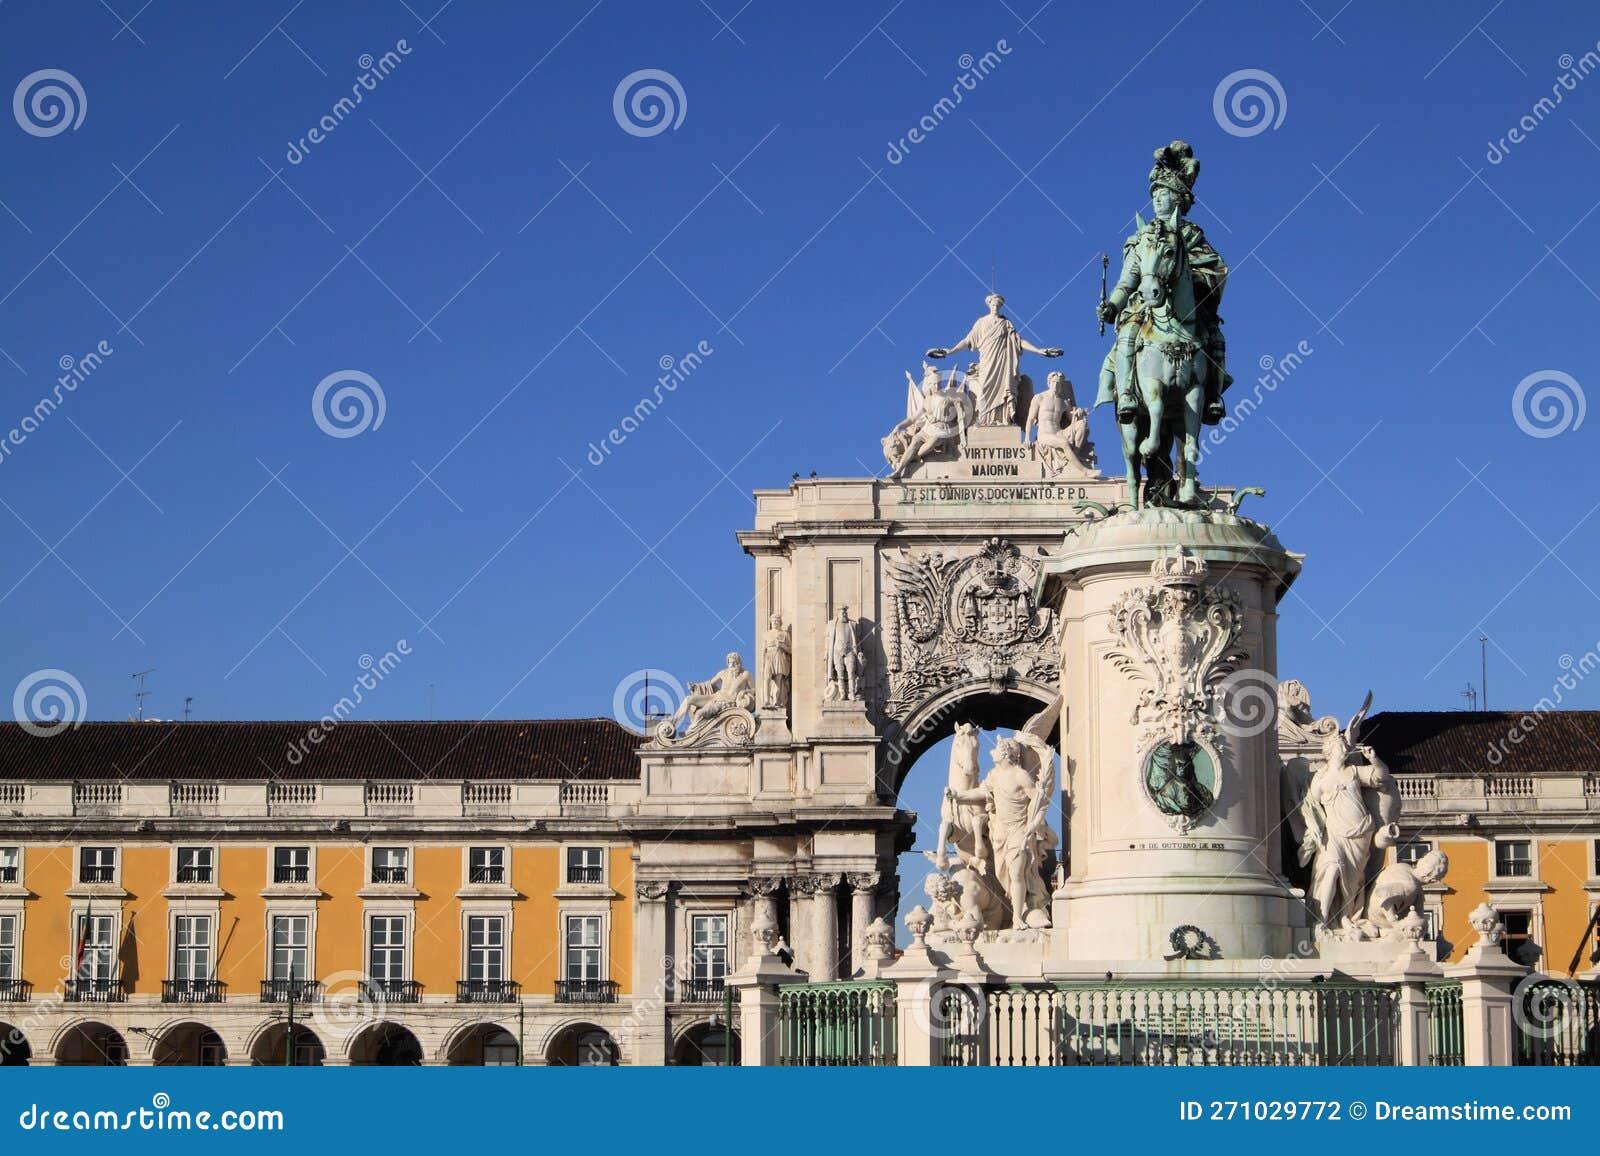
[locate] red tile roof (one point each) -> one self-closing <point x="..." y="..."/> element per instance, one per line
<point x="1461" y="742"/>
<point x="597" y="748"/>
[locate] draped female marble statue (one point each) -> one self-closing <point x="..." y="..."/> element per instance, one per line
<point x="999" y="348"/>
<point x="1349" y="811"/>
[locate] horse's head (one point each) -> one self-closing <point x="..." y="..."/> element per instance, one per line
<point x="1160" y="261"/>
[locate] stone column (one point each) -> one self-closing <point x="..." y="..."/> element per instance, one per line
<point x="652" y="969"/>
<point x="824" y="946"/>
<point x="1488" y="976"/>
<point x="757" y="986"/>
<point x="863" y="901"/>
<point x="1412" y="972"/>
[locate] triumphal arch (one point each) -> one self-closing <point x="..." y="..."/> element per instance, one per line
<point x="1103" y="651"/>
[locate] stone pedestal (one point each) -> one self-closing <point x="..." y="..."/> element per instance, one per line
<point x="1488" y="976"/>
<point x="1167" y="614"/>
<point x="757" y="984"/>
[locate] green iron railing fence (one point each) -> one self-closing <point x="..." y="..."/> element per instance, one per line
<point x="1556" y="1022"/>
<point x="836" y="1024"/>
<point x="1166" y="1024"/>
<point x="1445" y="1047"/>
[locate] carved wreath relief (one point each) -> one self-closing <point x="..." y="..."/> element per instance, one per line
<point x="1178" y="637"/>
<point x="953" y="620"/>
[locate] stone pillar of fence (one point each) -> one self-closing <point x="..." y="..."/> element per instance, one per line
<point x="918" y="976"/>
<point x="757" y="984"/>
<point x="1412" y="972"/>
<point x="1487" y="976"/>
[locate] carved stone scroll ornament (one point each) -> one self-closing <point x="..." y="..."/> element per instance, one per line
<point x="652" y="890"/>
<point x="964" y="619"/>
<point x="1179" y="638"/>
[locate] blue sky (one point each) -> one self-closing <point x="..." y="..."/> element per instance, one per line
<point x="485" y="241"/>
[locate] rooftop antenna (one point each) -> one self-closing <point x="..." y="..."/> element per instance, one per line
<point x="188" y="699"/>
<point x="1471" y="695"/>
<point x="991" y="270"/>
<point x="430" y="702"/>
<point x="1483" y="667"/>
<point x="141" y="694"/>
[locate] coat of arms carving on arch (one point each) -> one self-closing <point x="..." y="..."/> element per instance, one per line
<point x="958" y="619"/>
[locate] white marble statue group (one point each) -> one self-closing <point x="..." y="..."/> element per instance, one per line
<point x="998" y="827"/>
<point x="1344" y="819"/>
<point x="991" y="392"/>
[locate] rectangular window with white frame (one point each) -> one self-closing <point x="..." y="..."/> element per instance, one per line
<point x="1513" y="858"/>
<point x="708" y="960"/>
<point x="391" y="865"/>
<point x="191" y="950"/>
<point x="586" y="865"/>
<point x="196" y="865"/>
<point x="291" y="948"/>
<point x="486" y="865"/>
<point x="1412" y="850"/>
<point x="10" y="864"/>
<point x="585" y="959"/>
<point x="387" y="955"/>
<point x="291" y="864"/>
<point x="486" y="950"/>
<point x="97" y="865"/>
<point x="96" y="948"/>
<point x="10" y="954"/>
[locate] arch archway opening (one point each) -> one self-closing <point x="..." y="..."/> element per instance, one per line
<point x="486" y="1046"/>
<point x="925" y="744"/>
<point x="273" y="1050"/>
<point x="583" y="1046"/>
<point x="386" y="1045"/>
<point x="15" y="1051"/>
<point x="191" y="1045"/>
<point x="707" y="1046"/>
<point x="92" y="1045"/>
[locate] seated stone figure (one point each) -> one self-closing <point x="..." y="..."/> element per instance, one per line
<point x="729" y="688"/>
<point x="1398" y="891"/>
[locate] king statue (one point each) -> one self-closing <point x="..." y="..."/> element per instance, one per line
<point x="1166" y="373"/>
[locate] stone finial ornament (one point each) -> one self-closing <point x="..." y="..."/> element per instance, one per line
<point x="918" y="921"/>
<point x="1485" y="920"/>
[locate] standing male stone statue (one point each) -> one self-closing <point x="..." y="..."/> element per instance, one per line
<point x="775" y="663"/>
<point x="999" y="348"/>
<point x="845" y="660"/>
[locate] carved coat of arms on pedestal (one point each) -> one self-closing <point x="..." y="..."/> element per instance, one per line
<point x="954" y="620"/>
<point x="1178" y="636"/>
